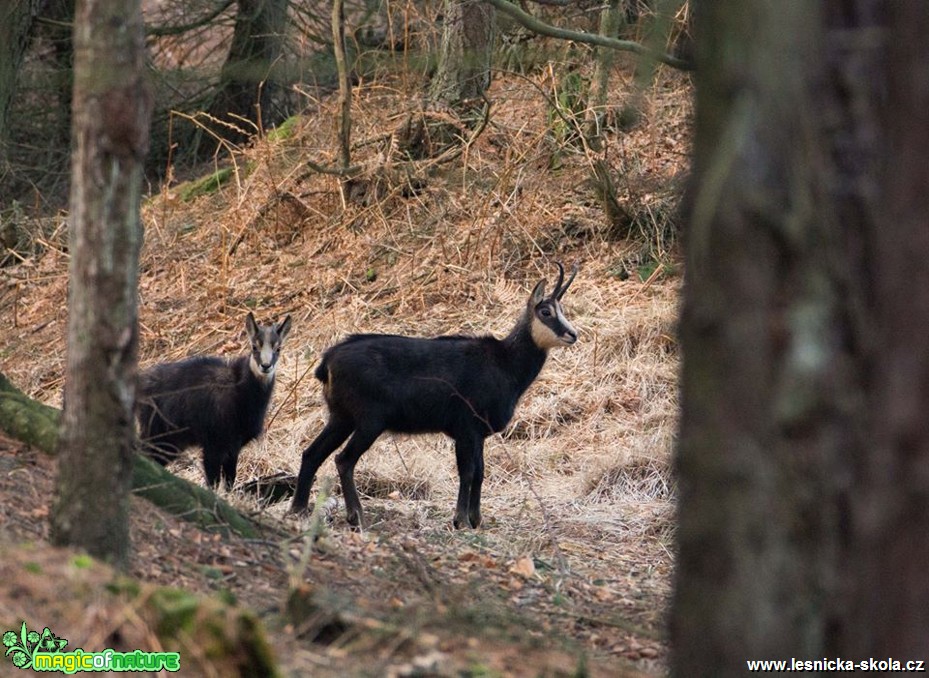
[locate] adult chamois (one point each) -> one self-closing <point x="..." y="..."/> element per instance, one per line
<point x="212" y="402"/>
<point x="464" y="387"/>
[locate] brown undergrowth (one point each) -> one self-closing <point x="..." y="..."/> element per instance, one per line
<point x="575" y="557"/>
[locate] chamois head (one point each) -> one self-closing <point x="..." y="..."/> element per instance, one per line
<point x="266" y="343"/>
<point x="548" y="326"/>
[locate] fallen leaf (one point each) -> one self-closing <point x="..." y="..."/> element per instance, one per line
<point x="524" y="567"/>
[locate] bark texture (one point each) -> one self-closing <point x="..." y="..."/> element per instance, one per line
<point x="463" y="72"/>
<point x="804" y="445"/>
<point x="112" y="108"/>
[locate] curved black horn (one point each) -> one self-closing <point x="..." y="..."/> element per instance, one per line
<point x="559" y="290"/>
<point x="558" y="282"/>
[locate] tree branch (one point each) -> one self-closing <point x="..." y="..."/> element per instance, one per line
<point x="163" y="31"/>
<point x="542" y="28"/>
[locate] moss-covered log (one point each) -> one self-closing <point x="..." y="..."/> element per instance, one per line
<point x="36" y="424"/>
<point x="26" y="419"/>
<point x="194" y="504"/>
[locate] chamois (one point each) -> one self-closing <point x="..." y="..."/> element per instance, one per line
<point x="465" y="387"/>
<point x="211" y="402"/>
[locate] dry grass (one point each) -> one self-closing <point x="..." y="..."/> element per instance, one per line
<point x="584" y="466"/>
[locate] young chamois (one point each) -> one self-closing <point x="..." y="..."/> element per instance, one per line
<point x="214" y="403"/>
<point x="464" y="387"/>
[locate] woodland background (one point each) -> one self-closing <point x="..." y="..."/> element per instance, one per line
<point x="730" y="469"/>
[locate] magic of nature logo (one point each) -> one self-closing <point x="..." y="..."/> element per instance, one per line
<point x="46" y="652"/>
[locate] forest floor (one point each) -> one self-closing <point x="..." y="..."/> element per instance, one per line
<point x="571" y="573"/>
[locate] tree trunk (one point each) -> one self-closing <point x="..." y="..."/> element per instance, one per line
<point x="247" y="87"/>
<point x="16" y="19"/>
<point x="463" y="73"/>
<point x="804" y="446"/>
<point x="112" y="108"/>
<point x="58" y="29"/>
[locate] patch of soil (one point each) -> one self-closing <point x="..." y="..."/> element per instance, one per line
<point x="408" y="596"/>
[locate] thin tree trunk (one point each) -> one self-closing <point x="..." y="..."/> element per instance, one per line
<point x="610" y="17"/>
<point x="344" y="131"/>
<point x="112" y="108"/>
<point x="16" y="19"/>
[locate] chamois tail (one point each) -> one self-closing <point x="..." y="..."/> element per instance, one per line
<point x="322" y="371"/>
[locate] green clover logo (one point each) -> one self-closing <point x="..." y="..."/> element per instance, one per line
<point x="48" y="642"/>
<point x="22" y="647"/>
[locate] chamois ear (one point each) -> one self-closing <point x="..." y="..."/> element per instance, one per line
<point x="283" y="328"/>
<point x="538" y="294"/>
<point x="251" y="327"/>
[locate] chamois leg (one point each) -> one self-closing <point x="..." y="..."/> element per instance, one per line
<point x="212" y="463"/>
<point x="333" y="434"/>
<point x="468" y="450"/>
<point x="474" y="507"/>
<point x="230" y="462"/>
<point x="345" y="462"/>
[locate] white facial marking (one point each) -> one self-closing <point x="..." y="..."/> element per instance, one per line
<point x="256" y="368"/>
<point x="265" y="356"/>
<point x="542" y="334"/>
<point x="545" y="338"/>
<point x="564" y="321"/>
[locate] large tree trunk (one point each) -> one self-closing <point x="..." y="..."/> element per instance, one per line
<point x="112" y="108"/>
<point x="804" y="443"/>
<point x="247" y="89"/>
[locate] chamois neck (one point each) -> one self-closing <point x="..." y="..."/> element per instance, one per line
<point x="525" y="357"/>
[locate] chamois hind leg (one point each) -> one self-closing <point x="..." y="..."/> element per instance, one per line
<point x="345" y="462"/>
<point x="333" y="434"/>
<point x="469" y="453"/>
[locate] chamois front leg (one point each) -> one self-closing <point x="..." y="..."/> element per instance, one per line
<point x="469" y="454"/>
<point x="230" y="462"/>
<point x="213" y="455"/>
<point x="474" y="508"/>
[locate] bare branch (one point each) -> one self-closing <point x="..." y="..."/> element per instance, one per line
<point x="162" y="31"/>
<point x="542" y="28"/>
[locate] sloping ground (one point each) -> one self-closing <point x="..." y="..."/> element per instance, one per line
<point x="576" y="553"/>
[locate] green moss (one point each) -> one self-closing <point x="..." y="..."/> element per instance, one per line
<point x="176" y="611"/>
<point x="204" y="185"/>
<point x="33" y="567"/>
<point x="124" y="586"/>
<point x="82" y="561"/>
<point x="285" y="130"/>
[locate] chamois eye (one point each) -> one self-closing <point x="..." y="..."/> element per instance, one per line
<point x="546" y="311"/>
